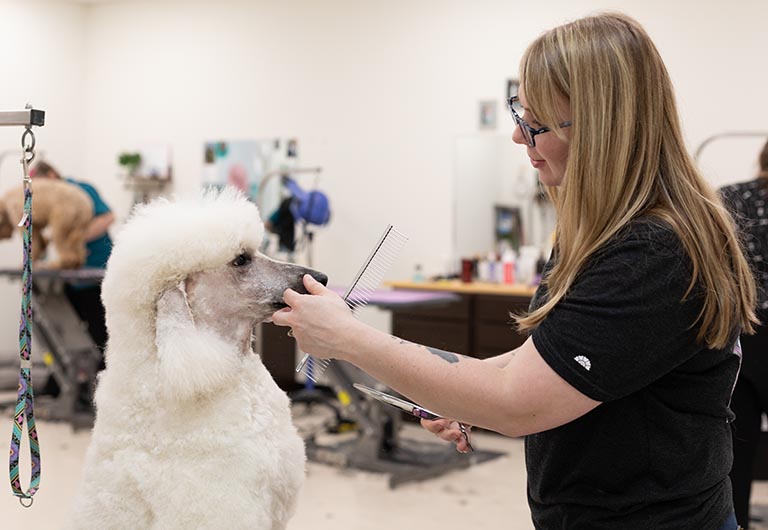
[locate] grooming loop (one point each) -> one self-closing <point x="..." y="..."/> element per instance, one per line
<point x="363" y="286"/>
<point x="25" y="400"/>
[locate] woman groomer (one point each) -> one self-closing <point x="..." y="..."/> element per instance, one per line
<point x="622" y="389"/>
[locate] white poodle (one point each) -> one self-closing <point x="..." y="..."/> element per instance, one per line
<point x="191" y="430"/>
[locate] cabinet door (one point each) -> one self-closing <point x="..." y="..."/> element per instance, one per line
<point x="450" y="336"/>
<point x="444" y="326"/>
<point x="494" y="327"/>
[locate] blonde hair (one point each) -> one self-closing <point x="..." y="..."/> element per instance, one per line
<point x="627" y="159"/>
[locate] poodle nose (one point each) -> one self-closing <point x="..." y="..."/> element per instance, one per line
<point x="320" y="277"/>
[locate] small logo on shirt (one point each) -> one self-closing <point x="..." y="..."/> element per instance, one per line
<point x="583" y="361"/>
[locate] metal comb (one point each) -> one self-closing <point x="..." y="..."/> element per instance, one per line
<point x="365" y="283"/>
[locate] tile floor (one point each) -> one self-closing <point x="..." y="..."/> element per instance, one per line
<point x="490" y="495"/>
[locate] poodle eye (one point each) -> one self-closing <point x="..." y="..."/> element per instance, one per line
<point x="242" y="260"/>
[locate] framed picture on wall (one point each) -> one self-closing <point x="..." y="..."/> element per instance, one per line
<point x="508" y="226"/>
<point x="244" y="164"/>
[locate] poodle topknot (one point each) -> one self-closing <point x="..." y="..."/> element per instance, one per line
<point x="165" y="241"/>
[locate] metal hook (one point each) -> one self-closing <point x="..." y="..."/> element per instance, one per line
<point x="21" y="501"/>
<point x="29" y="150"/>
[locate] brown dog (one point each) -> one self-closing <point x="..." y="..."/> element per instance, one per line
<point x="58" y="207"/>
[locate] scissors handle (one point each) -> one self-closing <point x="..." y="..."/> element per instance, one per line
<point x="465" y="432"/>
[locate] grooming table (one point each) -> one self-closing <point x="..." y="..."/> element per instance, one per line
<point x="75" y="358"/>
<point x="402" y="298"/>
<point x="378" y="446"/>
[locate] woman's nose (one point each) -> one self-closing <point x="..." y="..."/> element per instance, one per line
<point x="517" y="136"/>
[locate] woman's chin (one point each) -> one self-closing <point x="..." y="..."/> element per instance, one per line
<point x="547" y="177"/>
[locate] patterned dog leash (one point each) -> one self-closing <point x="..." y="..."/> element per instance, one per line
<point x="25" y="401"/>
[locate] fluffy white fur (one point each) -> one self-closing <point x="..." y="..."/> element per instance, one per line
<point x="191" y="430"/>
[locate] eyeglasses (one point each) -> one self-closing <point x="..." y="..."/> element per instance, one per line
<point x="529" y="133"/>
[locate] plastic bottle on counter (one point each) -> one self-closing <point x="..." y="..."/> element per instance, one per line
<point x="482" y="270"/>
<point x="467" y="271"/>
<point x="418" y="274"/>
<point x="492" y="267"/>
<point x="508" y="266"/>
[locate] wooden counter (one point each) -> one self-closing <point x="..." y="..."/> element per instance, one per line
<point x="459" y="287"/>
<point x="478" y="323"/>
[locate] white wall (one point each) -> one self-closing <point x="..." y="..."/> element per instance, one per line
<point x="42" y="60"/>
<point x="375" y="91"/>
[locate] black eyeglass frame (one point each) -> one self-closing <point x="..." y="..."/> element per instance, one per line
<point x="529" y="133"/>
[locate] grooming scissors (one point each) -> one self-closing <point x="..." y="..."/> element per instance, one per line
<point x="411" y="408"/>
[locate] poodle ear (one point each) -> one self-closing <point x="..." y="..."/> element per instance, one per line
<point x="173" y="310"/>
<point x="191" y="362"/>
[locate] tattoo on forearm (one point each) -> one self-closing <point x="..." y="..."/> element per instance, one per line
<point x="444" y="355"/>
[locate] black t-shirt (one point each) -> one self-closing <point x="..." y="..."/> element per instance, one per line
<point x="655" y="455"/>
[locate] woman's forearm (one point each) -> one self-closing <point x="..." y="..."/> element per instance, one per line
<point x="444" y="382"/>
<point x="515" y="393"/>
<point x="99" y="225"/>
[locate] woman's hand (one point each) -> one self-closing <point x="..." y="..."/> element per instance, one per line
<point x="450" y="431"/>
<point x="319" y="321"/>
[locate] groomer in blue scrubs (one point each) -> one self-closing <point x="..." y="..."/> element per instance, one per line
<point x="86" y="299"/>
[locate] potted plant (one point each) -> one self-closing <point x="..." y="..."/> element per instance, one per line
<point x="130" y="161"/>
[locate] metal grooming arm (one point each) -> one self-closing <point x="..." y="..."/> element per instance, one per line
<point x="289" y="171"/>
<point x="22" y="118"/>
<point x="733" y="134"/>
